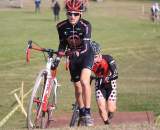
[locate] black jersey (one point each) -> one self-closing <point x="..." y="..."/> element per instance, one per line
<point x="75" y="37"/>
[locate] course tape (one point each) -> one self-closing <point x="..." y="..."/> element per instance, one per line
<point x="5" y="119"/>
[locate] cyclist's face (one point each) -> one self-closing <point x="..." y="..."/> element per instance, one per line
<point x="73" y="17"/>
<point x="97" y="58"/>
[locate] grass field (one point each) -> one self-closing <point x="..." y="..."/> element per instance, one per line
<point x="123" y="30"/>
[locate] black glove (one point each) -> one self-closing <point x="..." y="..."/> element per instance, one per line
<point x="75" y="54"/>
<point x="55" y="63"/>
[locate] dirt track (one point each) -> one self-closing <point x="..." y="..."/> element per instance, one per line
<point x="119" y="118"/>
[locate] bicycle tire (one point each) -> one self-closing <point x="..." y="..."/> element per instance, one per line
<point x="32" y="121"/>
<point x="75" y="116"/>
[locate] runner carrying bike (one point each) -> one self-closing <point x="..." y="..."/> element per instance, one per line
<point x="74" y="35"/>
<point x="105" y="85"/>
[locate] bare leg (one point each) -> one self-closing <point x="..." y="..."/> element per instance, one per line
<point x="101" y="102"/>
<point x="86" y="91"/>
<point x="111" y="103"/>
<point x="86" y="88"/>
<point x="78" y="94"/>
<point x="111" y="106"/>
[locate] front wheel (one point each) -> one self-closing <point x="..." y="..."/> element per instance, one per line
<point x="35" y="115"/>
<point x="75" y="116"/>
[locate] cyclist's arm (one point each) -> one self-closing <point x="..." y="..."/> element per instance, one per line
<point x="87" y="37"/>
<point x="113" y="69"/>
<point x="61" y="48"/>
<point x="62" y="43"/>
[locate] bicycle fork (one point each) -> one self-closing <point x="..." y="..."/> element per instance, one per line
<point x="42" y="103"/>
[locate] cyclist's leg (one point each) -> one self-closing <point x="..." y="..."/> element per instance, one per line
<point x="86" y="88"/>
<point x="101" y="103"/>
<point x="111" y="105"/>
<point x="101" y="96"/>
<point x="79" y="97"/>
<point x="112" y="99"/>
<point x="75" y="71"/>
<point x="81" y="100"/>
<point x="87" y="63"/>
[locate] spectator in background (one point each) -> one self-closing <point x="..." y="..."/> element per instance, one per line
<point x="37" y="5"/>
<point x="56" y="9"/>
<point x="155" y="12"/>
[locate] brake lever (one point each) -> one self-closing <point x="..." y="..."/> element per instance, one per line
<point x="30" y="44"/>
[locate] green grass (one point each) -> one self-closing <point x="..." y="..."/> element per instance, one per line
<point x="133" y="42"/>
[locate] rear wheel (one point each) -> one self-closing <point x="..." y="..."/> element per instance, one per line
<point x="36" y="116"/>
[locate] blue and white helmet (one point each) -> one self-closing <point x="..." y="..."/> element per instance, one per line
<point x="95" y="47"/>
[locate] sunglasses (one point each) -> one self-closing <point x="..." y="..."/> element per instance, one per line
<point x="73" y="14"/>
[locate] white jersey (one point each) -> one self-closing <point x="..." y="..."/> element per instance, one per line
<point x="155" y="7"/>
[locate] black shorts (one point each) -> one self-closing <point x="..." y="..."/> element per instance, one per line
<point x="107" y="91"/>
<point x="78" y="63"/>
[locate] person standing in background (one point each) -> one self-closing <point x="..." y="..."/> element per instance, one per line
<point x="37" y="6"/>
<point x="56" y="9"/>
<point x="155" y="12"/>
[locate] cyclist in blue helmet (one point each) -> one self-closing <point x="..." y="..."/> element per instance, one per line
<point x="106" y="74"/>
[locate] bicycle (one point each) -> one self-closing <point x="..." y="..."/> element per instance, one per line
<point x="44" y="95"/>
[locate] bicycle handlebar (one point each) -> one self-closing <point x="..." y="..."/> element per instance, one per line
<point x="34" y="46"/>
